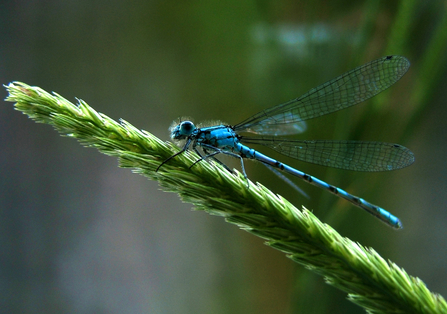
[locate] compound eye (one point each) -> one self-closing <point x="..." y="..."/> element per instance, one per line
<point x="186" y="128"/>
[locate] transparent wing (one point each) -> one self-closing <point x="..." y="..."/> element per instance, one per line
<point x="342" y="92"/>
<point x="349" y="155"/>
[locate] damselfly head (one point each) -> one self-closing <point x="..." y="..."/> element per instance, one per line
<point x="182" y="130"/>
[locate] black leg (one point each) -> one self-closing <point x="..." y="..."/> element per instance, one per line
<point x="211" y="155"/>
<point x="229" y="154"/>
<point x="208" y="155"/>
<point x="185" y="148"/>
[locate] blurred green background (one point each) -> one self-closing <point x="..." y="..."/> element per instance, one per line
<point x="79" y="235"/>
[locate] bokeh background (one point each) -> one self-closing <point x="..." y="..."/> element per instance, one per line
<point x="80" y="235"/>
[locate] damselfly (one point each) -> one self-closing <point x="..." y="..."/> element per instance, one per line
<point x="344" y="91"/>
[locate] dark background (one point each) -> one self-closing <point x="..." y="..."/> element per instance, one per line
<point x="79" y="235"/>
